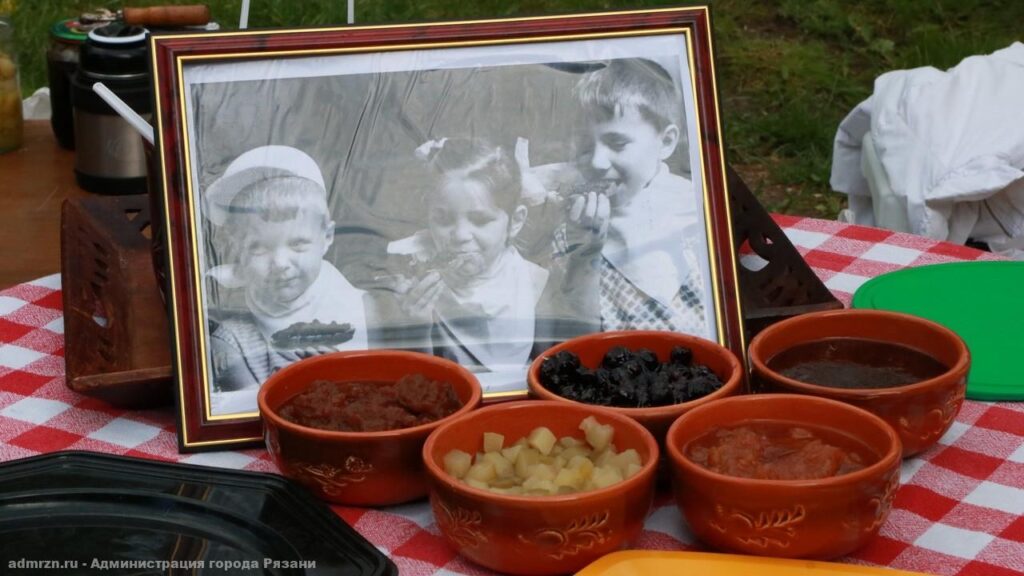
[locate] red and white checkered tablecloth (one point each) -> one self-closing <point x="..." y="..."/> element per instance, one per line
<point x="960" y="510"/>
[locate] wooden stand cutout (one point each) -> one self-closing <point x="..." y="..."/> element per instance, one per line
<point x="785" y="286"/>
<point x="117" y="346"/>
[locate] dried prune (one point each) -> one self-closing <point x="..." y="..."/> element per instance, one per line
<point x="627" y="378"/>
<point x="560" y="369"/>
<point x="615" y="357"/>
<point x="648" y="357"/>
<point x="661" y="390"/>
<point x="680" y="355"/>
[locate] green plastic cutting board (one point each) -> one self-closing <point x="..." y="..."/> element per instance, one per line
<point x="983" y="302"/>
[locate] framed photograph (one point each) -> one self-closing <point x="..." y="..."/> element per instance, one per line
<point x="476" y="190"/>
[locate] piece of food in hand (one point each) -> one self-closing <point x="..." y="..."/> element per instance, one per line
<point x="315" y="333"/>
<point x="568" y="194"/>
<point x="416" y="266"/>
<point x="597" y="186"/>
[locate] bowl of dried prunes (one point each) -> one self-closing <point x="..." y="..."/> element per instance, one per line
<point x="651" y="376"/>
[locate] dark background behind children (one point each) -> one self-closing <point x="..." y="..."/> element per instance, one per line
<point x="363" y="131"/>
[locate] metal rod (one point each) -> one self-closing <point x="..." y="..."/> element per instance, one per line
<point x="243" y="18"/>
<point x="125" y="111"/>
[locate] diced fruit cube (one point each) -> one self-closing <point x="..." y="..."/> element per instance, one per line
<point x="457" y="463"/>
<point x="598" y="435"/>
<point x="493" y="442"/>
<point x="606" y="476"/>
<point x="482" y="472"/>
<point x="543" y="439"/>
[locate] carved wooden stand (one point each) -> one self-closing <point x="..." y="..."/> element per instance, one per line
<point x="786" y="286"/>
<point x="116" y="329"/>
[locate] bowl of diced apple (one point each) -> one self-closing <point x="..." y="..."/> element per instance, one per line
<point x="540" y="487"/>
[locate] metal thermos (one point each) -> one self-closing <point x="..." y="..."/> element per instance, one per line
<point x="109" y="153"/>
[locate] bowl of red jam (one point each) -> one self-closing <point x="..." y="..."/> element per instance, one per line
<point x="350" y="426"/>
<point x="910" y="371"/>
<point x="783" y="475"/>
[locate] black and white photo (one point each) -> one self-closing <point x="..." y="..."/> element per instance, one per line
<point x="477" y="190"/>
<point x="477" y="203"/>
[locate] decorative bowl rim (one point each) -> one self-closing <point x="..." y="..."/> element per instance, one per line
<point x="891" y="458"/>
<point x="958" y="370"/>
<point x="268" y="413"/>
<point x="645" y="475"/>
<point x="730" y="386"/>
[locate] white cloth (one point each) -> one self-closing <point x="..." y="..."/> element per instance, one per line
<point x="489" y="325"/>
<point x="644" y="243"/>
<point x="951" y="144"/>
<point x="37" y="106"/>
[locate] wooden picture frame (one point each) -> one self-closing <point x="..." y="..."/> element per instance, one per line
<point x="374" y="138"/>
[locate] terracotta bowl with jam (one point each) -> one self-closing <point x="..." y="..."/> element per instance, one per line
<point x="350" y="426"/>
<point x="591" y="350"/>
<point x="556" y="533"/>
<point x="910" y="371"/>
<point x="783" y="475"/>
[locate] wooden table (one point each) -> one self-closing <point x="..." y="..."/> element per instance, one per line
<point x="34" y="181"/>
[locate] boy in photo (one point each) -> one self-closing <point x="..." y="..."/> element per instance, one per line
<point x="626" y="256"/>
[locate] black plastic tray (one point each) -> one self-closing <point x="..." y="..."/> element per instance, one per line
<point x="85" y="513"/>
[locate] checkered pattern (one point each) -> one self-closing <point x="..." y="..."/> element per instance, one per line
<point x="38" y="413"/>
<point x="845" y="256"/>
<point x="626" y="307"/>
<point x="959" y="511"/>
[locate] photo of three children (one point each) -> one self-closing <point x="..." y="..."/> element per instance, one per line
<point x="486" y="259"/>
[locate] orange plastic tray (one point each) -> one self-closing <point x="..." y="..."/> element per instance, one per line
<point x="644" y="563"/>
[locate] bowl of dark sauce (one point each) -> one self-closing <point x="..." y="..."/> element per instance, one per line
<point x="910" y="371"/>
<point x="856" y="363"/>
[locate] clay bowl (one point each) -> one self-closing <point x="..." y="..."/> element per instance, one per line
<point x="920" y="412"/>
<point x="537" y="534"/>
<point x="592" y="348"/>
<point x="357" y="468"/>
<point x="823" y="518"/>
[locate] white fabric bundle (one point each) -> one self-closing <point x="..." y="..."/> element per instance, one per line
<point x="952" y="148"/>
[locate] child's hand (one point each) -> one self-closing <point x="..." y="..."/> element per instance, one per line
<point x="417" y="298"/>
<point x="546" y="196"/>
<point x="587" y="226"/>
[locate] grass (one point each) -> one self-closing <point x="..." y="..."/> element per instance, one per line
<point x="789" y="70"/>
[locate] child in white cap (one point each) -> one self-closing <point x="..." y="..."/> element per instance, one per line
<point x="271" y="205"/>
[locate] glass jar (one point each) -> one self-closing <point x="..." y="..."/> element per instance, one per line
<point x="11" y="122"/>
<point x="66" y="37"/>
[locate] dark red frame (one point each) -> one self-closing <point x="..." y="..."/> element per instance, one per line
<point x="195" y="433"/>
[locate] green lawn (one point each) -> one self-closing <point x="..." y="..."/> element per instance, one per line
<point x="789" y="70"/>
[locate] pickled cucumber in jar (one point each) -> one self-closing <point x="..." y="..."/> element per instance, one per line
<point x="10" y="92"/>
